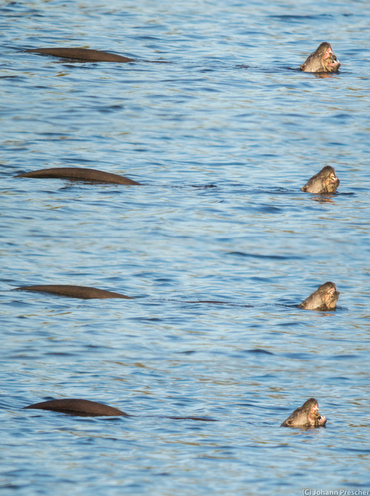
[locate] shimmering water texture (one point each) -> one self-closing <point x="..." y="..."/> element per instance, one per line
<point x="229" y="109"/>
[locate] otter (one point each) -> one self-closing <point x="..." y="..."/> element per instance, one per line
<point x="87" y="408"/>
<point x="306" y="416"/>
<point x="76" y="407"/>
<point x="79" y="174"/>
<point x="82" y="292"/>
<point x="325" y="181"/>
<point x="324" y="298"/>
<point x="82" y="54"/>
<point x="322" y="60"/>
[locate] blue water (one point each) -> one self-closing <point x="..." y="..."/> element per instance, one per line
<point x="229" y="110"/>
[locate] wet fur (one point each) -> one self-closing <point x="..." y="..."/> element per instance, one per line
<point x="318" y="183"/>
<point x="82" y="292"/>
<point x="314" y="62"/>
<point x="79" y="174"/>
<point x="78" y="407"/>
<point x="300" y="416"/>
<point x="82" y="54"/>
<point x="316" y="300"/>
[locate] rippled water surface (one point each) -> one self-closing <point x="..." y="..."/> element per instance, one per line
<point x="221" y="137"/>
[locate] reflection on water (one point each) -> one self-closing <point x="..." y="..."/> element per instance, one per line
<point x="230" y="112"/>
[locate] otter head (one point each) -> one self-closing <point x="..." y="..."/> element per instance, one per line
<point x="306" y="416"/>
<point x="322" y="60"/>
<point x="329" y="59"/>
<point x="330" y="180"/>
<point x="324" y="298"/>
<point x="326" y="181"/>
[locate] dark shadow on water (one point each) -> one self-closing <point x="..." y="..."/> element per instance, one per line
<point x="295" y="69"/>
<point x="258" y="351"/>
<point x="212" y="302"/>
<point x="196" y="186"/>
<point x="268" y="257"/>
<point x="288" y="17"/>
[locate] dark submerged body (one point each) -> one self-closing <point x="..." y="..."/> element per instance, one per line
<point x="86" y="408"/>
<point x="82" y="54"/>
<point x="306" y="416"/>
<point x="79" y="174"/>
<point x="82" y="292"/>
<point x="325" y="181"/>
<point x="76" y="406"/>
